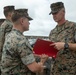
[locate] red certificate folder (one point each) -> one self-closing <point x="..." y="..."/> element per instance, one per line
<point x="43" y="47"/>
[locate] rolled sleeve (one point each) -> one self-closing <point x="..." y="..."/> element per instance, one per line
<point x="28" y="59"/>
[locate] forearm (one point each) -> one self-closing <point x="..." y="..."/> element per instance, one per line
<point x="72" y="46"/>
<point x="41" y="67"/>
<point x="36" y="67"/>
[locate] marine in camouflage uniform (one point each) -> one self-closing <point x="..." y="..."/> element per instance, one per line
<point x="6" y="26"/>
<point x="65" y="62"/>
<point x="17" y="55"/>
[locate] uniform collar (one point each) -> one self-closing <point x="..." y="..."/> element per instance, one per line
<point x="17" y="31"/>
<point x="63" y="26"/>
<point x="8" y="20"/>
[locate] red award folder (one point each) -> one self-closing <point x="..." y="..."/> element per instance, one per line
<point x="43" y="47"/>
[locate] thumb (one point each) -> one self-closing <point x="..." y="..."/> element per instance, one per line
<point x="52" y="44"/>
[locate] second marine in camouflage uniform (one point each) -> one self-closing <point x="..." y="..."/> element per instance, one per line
<point x="17" y="55"/>
<point x="65" y="63"/>
<point x="63" y="35"/>
<point x="6" y="26"/>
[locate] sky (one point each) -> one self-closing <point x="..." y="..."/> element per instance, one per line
<point x="39" y="10"/>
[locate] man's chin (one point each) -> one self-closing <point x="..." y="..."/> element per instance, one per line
<point x="26" y="29"/>
<point x="55" y="20"/>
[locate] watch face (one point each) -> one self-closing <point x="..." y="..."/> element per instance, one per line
<point x="66" y="46"/>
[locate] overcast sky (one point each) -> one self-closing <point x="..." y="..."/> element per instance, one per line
<point x="39" y="10"/>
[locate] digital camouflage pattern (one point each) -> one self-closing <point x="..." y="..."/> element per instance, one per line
<point x="1" y="21"/>
<point x="65" y="63"/>
<point x="5" y="28"/>
<point x="17" y="53"/>
<point x="55" y="7"/>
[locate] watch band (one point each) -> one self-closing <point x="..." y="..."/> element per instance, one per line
<point x="66" y="46"/>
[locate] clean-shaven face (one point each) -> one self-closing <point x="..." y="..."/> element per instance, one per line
<point x="25" y="24"/>
<point x="58" y="16"/>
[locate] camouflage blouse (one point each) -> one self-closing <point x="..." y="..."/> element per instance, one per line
<point x="17" y="53"/>
<point x="65" y="63"/>
<point x="5" y="28"/>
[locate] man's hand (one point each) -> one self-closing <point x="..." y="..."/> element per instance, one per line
<point x="58" y="45"/>
<point x="43" y="58"/>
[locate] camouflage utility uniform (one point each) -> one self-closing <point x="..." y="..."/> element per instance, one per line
<point x="17" y="53"/>
<point x="65" y="63"/>
<point x="4" y="30"/>
<point x="1" y="21"/>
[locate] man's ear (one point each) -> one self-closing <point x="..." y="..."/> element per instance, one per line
<point x="21" y="21"/>
<point x="9" y="14"/>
